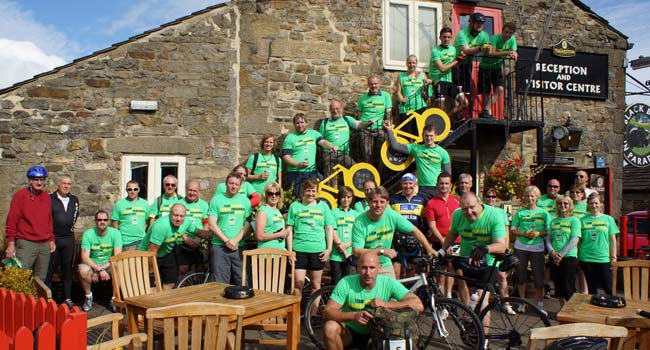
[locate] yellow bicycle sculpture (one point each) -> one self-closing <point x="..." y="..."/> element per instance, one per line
<point x="353" y="178"/>
<point x="436" y="116"/>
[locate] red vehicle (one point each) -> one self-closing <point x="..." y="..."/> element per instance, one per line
<point x="635" y="227"/>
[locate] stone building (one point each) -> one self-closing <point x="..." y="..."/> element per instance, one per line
<point x="223" y="76"/>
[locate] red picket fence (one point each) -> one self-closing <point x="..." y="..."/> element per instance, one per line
<point x="27" y="323"/>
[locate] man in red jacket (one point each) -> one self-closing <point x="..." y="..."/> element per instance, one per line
<point x="29" y="224"/>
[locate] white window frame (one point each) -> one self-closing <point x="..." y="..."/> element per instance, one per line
<point x="155" y="174"/>
<point x="413" y="44"/>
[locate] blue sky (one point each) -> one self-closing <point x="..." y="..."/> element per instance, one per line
<point x="38" y="35"/>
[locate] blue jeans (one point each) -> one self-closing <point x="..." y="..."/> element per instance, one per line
<point x="296" y="179"/>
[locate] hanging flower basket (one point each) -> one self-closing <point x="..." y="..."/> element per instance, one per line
<point x="508" y="178"/>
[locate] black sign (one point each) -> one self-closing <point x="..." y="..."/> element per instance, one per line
<point x="636" y="146"/>
<point x="583" y="75"/>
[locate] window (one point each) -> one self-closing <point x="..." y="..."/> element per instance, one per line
<point x="149" y="172"/>
<point x="410" y="27"/>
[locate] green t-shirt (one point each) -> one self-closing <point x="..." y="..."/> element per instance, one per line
<point x="484" y="230"/>
<point x="429" y="162"/>
<point x="101" y="247"/>
<point x="445" y="55"/>
<point x="368" y="234"/>
<point x="526" y="220"/>
<point x="465" y="38"/>
<point x="196" y="212"/>
<point x="246" y="189"/>
<point x="309" y="223"/>
<point x="361" y="206"/>
<point x="344" y="223"/>
<point x="163" y="234"/>
<point x="501" y="46"/>
<point x="373" y="107"/>
<point x="561" y="232"/>
<point x="337" y="132"/>
<point x="353" y="297"/>
<point x="547" y="204"/>
<point x="270" y="163"/>
<point x="132" y="219"/>
<point x="302" y="147"/>
<point x="165" y="206"/>
<point x="231" y="214"/>
<point x="596" y="232"/>
<point x="274" y="223"/>
<point x="580" y="209"/>
<point x="412" y="92"/>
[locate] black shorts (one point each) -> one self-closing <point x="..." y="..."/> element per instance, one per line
<point x="167" y="268"/>
<point x="187" y="256"/>
<point x="448" y="89"/>
<point x="309" y="261"/>
<point x="489" y="78"/>
<point x="359" y="341"/>
<point x="462" y="74"/>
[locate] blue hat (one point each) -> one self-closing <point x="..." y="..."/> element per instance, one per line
<point x="408" y="177"/>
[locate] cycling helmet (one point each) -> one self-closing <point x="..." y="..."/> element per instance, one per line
<point x="477" y="17"/>
<point x="36" y="171"/>
<point x="579" y="343"/>
<point x="604" y="300"/>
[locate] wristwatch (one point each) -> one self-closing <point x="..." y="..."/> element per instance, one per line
<point x="381" y="252"/>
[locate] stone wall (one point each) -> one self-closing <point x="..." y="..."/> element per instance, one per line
<point x="78" y="121"/>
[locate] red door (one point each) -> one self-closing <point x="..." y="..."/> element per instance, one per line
<point x="493" y="25"/>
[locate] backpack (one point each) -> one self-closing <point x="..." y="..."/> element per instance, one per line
<point x="394" y="329"/>
<point x="257" y="155"/>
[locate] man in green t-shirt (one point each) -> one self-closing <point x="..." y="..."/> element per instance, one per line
<point x="430" y="158"/>
<point x="547" y="201"/>
<point x="299" y="152"/>
<point x="443" y="59"/>
<point x="162" y="238"/>
<point x="227" y="222"/>
<point x="346" y="315"/>
<point x="373" y="106"/>
<point x="490" y="72"/>
<point x="98" y="244"/>
<point x="373" y="230"/>
<point x="188" y="252"/>
<point x="470" y="42"/>
<point x="130" y="216"/>
<point x="163" y="204"/>
<point x="482" y="232"/>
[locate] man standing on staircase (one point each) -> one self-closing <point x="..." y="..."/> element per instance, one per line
<point x="430" y="158"/>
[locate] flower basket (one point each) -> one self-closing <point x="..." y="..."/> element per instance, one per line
<point x="508" y="178"/>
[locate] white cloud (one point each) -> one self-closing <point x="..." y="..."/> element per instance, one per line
<point x="22" y="60"/>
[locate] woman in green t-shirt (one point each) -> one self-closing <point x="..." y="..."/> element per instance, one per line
<point x="264" y="167"/>
<point x="562" y="241"/>
<point x="342" y="240"/>
<point x="579" y="201"/>
<point x="269" y="222"/>
<point x="598" y="246"/>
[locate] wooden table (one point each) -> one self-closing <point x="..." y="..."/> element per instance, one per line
<point x="580" y="309"/>
<point x="260" y="307"/>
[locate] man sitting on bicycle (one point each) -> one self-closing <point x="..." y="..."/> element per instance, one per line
<point x="482" y="233"/>
<point x="346" y="315"/>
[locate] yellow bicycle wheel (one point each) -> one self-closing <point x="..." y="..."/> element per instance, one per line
<point x="440" y="120"/>
<point x="329" y="198"/>
<point x="394" y="160"/>
<point x="357" y="175"/>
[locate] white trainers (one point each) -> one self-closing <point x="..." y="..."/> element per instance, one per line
<point x="543" y="311"/>
<point x="507" y="308"/>
<point x="521" y="309"/>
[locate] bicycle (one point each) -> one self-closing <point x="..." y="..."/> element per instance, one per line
<point x="445" y="323"/>
<point x="505" y="331"/>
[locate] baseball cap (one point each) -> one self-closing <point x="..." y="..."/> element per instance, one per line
<point x="477" y="17"/>
<point x="408" y="177"/>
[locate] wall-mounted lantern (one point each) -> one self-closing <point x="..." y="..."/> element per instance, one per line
<point x="568" y="136"/>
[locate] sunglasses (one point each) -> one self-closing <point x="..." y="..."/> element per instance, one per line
<point x="553" y="186"/>
<point x="562" y="203"/>
<point x="490" y="196"/>
<point x="576" y="192"/>
<point x="101" y="220"/>
<point x="170" y="185"/>
<point x="130" y="189"/>
<point x="273" y="194"/>
<point x="580" y="176"/>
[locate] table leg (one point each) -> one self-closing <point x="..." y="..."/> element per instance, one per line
<point x="293" y="327"/>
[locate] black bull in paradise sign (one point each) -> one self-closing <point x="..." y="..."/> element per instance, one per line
<point x="636" y="146"/>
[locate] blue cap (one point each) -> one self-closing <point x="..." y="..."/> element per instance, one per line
<point x="408" y="177"/>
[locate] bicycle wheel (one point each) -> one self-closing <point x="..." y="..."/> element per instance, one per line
<point x="511" y="332"/>
<point x="460" y="328"/>
<point x="313" y="315"/>
<point x="193" y="278"/>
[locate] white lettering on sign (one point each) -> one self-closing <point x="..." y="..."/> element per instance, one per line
<point x="560" y="68"/>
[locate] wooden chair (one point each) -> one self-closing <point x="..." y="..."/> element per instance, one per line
<point x="268" y="271"/>
<point x="196" y="326"/>
<point x="545" y="335"/>
<point x="115" y="341"/>
<point x="638" y="336"/>
<point x="130" y="275"/>
<point x="636" y="279"/>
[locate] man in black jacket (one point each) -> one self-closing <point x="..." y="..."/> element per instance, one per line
<point x="65" y="211"/>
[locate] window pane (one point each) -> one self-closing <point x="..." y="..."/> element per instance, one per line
<point x="426" y="30"/>
<point x="399" y="32"/>
<point x="140" y="173"/>
<point x="167" y="168"/>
